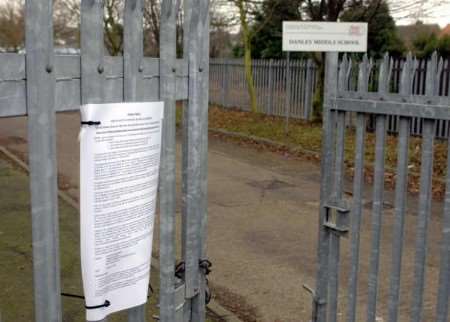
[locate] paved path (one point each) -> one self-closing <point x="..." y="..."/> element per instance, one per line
<point x="262" y="226"/>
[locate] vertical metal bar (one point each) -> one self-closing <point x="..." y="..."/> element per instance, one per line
<point x="271" y="87"/>
<point x="227" y="83"/>
<point x="193" y="141"/>
<point x="358" y="185"/>
<point x="132" y="84"/>
<point x="275" y="88"/>
<point x="133" y="50"/>
<point x="279" y="104"/>
<point x="287" y="83"/>
<point x="167" y="185"/>
<point x="425" y="196"/>
<point x="92" y="53"/>
<point x="42" y="159"/>
<point x="199" y="302"/>
<point x="377" y="211"/>
<point x="335" y="238"/>
<point x="309" y="88"/>
<point x="265" y="89"/>
<point x="196" y="175"/>
<point x="262" y="84"/>
<point x="222" y="78"/>
<point x="257" y="80"/>
<point x="302" y="95"/>
<point x="297" y="87"/>
<point x="401" y="188"/>
<point x="444" y="273"/>
<point x="187" y="8"/>
<point x="324" y="237"/>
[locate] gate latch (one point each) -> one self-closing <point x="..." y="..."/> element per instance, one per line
<point x="337" y="217"/>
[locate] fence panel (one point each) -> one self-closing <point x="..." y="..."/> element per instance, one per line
<point x="228" y="86"/>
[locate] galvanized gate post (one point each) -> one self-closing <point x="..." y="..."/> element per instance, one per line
<point x="167" y="187"/>
<point x="132" y="83"/>
<point x="92" y="53"/>
<point x="195" y="158"/>
<point x="40" y="92"/>
<point x="321" y="296"/>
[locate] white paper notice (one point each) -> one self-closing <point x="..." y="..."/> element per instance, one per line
<point x="119" y="167"/>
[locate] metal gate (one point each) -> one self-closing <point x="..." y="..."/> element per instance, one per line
<point x="360" y="286"/>
<point x="40" y="83"/>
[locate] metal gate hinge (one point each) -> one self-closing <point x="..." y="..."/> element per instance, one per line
<point x="337" y="217"/>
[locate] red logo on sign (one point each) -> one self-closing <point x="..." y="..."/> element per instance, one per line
<point x="356" y="31"/>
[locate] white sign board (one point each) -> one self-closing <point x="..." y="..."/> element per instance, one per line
<point x="120" y="148"/>
<point x="325" y="36"/>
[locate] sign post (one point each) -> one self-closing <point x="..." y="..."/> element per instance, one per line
<point x="288" y="91"/>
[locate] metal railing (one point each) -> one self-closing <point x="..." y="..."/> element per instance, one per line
<point x="228" y="86"/>
<point x="342" y="216"/>
<point x="39" y="83"/>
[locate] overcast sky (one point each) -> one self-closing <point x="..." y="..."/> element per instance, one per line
<point x="428" y="11"/>
<point x="408" y="11"/>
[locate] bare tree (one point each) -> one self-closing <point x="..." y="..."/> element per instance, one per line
<point x="12" y="25"/>
<point x="152" y="11"/>
<point x="66" y="20"/>
<point x="220" y="24"/>
<point x="246" y="10"/>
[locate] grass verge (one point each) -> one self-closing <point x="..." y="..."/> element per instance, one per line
<point x="304" y="139"/>
<point x="16" y="272"/>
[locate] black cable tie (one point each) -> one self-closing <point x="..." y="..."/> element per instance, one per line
<point x="91" y="123"/>
<point x="106" y="304"/>
<point x="76" y="296"/>
<point x="81" y="297"/>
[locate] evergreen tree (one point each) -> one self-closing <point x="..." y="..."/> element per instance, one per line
<point x="267" y="40"/>
<point x="382" y="35"/>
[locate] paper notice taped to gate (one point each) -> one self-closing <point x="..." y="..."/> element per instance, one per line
<point x="120" y="148"/>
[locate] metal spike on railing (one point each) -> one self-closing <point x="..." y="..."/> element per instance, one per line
<point x="390" y="70"/>
<point x="432" y="76"/>
<point x="370" y="66"/>
<point x="406" y="79"/>
<point x="385" y="71"/>
<point x="363" y="74"/>
<point x="343" y="83"/>
<point x="440" y="67"/>
<point x="348" y="71"/>
<point x="415" y="72"/>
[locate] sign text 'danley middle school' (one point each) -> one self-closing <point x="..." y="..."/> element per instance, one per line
<point x="324" y="36"/>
